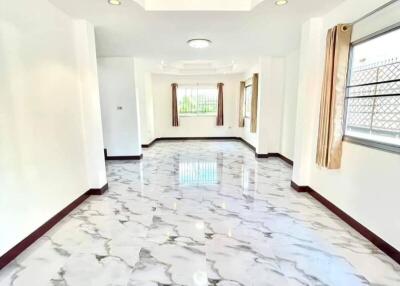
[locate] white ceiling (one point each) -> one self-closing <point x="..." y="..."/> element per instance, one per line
<point x="130" y="30"/>
<point x="198" y="5"/>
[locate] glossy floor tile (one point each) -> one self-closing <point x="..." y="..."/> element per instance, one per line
<point x="201" y="213"/>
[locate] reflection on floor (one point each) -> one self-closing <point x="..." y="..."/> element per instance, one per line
<point x="201" y="213"/>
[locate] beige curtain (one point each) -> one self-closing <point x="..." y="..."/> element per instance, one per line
<point x="220" y="114"/>
<point x="241" y="103"/>
<point x="254" y="102"/>
<point x="329" y="152"/>
<point x="175" y="117"/>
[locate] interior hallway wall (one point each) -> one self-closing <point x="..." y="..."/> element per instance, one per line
<point x="195" y="126"/>
<point x="290" y="104"/>
<point x="277" y="93"/>
<point x="367" y="185"/>
<point x="91" y="111"/>
<point x="144" y="91"/>
<point x="270" y="105"/>
<point x="119" y="106"/>
<point x="43" y="165"/>
<point x="245" y="133"/>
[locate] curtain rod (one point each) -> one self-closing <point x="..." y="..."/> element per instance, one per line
<point x="374" y="11"/>
<point x="198" y="83"/>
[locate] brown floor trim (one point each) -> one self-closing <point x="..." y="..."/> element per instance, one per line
<point x="372" y="237"/>
<point x="97" y="192"/>
<point x="190" y="138"/>
<point x="110" y="158"/>
<point x="276" y="155"/>
<point x="134" y="157"/>
<point x="300" y="189"/>
<point x="248" y="144"/>
<point x="26" y="242"/>
<point x="286" y="159"/>
<point x="265" y="156"/>
<point x="149" y="144"/>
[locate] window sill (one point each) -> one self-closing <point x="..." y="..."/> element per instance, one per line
<point x="197" y="115"/>
<point x="372" y="144"/>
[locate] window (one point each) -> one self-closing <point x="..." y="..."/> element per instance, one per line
<point x="197" y="100"/>
<point x="373" y="92"/>
<point x="248" y="95"/>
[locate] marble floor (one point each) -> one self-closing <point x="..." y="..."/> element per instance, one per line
<point x="201" y="213"/>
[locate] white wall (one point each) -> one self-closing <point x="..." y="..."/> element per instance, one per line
<point x="276" y="108"/>
<point x="245" y="131"/>
<point x="367" y="185"/>
<point x="43" y="141"/>
<point x="91" y="113"/>
<point x="121" y="127"/>
<point x="144" y="91"/>
<point x="270" y="105"/>
<point x="277" y="92"/>
<point x="290" y="104"/>
<point x="310" y="76"/>
<point x="195" y="126"/>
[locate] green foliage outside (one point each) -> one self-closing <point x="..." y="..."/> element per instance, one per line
<point x="188" y="105"/>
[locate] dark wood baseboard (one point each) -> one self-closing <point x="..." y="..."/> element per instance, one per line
<point x="269" y="155"/>
<point x="98" y="192"/>
<point x="262" y="156"/>
<point x="130" y="157"/>
<point x="138" y="157"/>
<point x="286" y="159"/>
<point x="385" y="247"/>
<point x="149" y="144"/>
<point x="247" y="144"/>
<point x="300" y="189"/>
<point x="30" y="239"/>
<point x="194" y="138"/>
<point x="276" y="155"/>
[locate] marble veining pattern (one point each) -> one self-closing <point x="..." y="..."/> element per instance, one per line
<point x="201" y="213"/>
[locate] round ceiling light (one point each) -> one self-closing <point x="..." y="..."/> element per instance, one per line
<point x="114" y="2"/>
<point x="199" y="43"/>
<point x="281" y="2"/>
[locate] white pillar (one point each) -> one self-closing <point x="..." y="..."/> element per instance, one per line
<point x="311" y="51"/>
<point x="270" y="105"/>
<point x="90" y="100"/>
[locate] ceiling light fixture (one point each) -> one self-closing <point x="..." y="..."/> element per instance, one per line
<point x="199" y="43"/>
<point x="114" y="2"/>
<point x="281" y="2"/>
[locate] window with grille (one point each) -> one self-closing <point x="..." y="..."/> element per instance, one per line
<point x="248" y="95"/>
<point x="197" y="100"/>
<point x="373" y="92"/>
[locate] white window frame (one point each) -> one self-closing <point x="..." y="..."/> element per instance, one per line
<point x="246" y="103"/>
<point x="197" y="87"/>
<point x="359" y="140"/>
